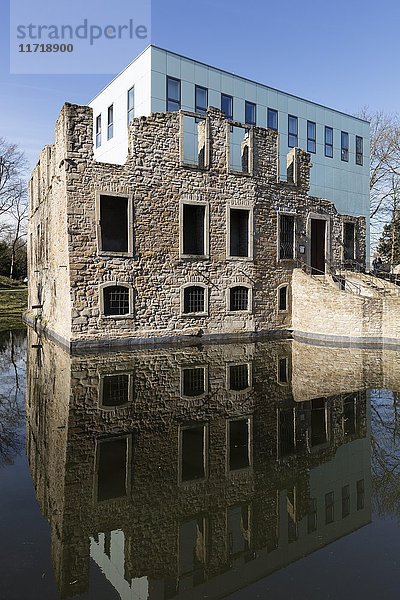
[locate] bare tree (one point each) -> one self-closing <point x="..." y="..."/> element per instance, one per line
<point x="384" y="168"/>
<point x="13" y="167"/>
<point x="18" y="214"/>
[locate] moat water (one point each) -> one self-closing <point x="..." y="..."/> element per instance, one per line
<point x="254" y="470"/>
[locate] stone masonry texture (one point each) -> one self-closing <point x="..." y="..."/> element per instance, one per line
<point x="67" y="271"/>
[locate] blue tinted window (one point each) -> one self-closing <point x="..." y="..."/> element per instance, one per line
<point x="227" y="106"/>
<point x="98" y="131"/>
<point x="292" y="131"/>
<point x="272" y="119"/>
<point x="344" y="146"/>
<point x="329" y="142"/>
<point x="110" y="122"/>
<point x="359" y="150"/>
<point x="201" y="100"/>
<point x="311" y="137"/>
<point x="250" y="113"/>
<point x="173" y="94"/>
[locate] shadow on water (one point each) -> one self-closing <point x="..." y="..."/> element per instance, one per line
<point x="228" y="470"/>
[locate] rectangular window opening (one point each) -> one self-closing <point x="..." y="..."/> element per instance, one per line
<point x="329" y="142"/>
<point x="283" y="370"/>
<point x="283" y="298"/>
<point x="286" y="236"/>
<point x="239" y="530"/>
<point x="110" y="122"/>
<point x="194" y="229"/>
<point x="349" y="239"/>
<point x="329" y="508"/>
<point x="239" y="298"/>
<point x="238" y="377"/>
<point x="112" y="469"/>
<point x="250" y="113"/>
<point x="201" y="99"/>
<point x="131" y="104"/>
<point x="227" y="106"/>
<point x="311" y="137"/>
<point x="193" y="453"/>
<point x="114" y="223"/>
<point x="360" y="494"/>
<point x="173" y="94"/>
<point x="287" y="444"/>
<point x="193" y="382"/>
<point x="98" y="131"/>
<point x="115" y="390"/>
<point x="359" y="150"/>
<point x="239" y="232"/>
<point x="344" y="146"/>
<point x="292" y="131"/>
<point x="239" y="444"/>
<point x="194" y="141"/>
<point x="239" y="149"/>
<point x="312" y="516"/>
<point x="345" y="501"/>
<point x="272" y="119"/>
<point x="194" y="300"/>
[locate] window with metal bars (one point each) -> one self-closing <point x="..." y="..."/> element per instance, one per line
<point x="194" y="299"/>
<point x="239" y="298"/>
<point x="239" y="220"/>
<point x="286" y="236"/>
<point x="349" y="235"/>
<point x="116" y="300"/>
<point x="115" y="390"/>
<point x="238" y="377"/>
<point x="193" y="383"/>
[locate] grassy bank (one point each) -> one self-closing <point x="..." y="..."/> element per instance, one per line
<point x="13" y="301"/>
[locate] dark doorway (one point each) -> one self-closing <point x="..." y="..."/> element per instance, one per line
<point x="318" y="230"/>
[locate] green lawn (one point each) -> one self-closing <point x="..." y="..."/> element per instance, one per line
<point x="13" y="303"/>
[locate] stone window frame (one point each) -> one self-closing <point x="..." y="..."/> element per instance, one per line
<point x="203" y="366"/>
<point x="249" y="310"/>
<point x="206" y="299"/>
<point x="206" y="430"/>
<point x="285" y="213"/>
<point x="288" y="298"/>
<point x="129" y="196"/>
<point x="128" y="479"/>
<point x="207" y="134"/>
<point x="323" y="217"/>
<point x="206" y="204"/>
<point x="287" y="370"/>
<point x="249" y="419"/>
<point x="353" y="222"/>
<point x="106" y="284"/>
<point x="249" y="365"/>
<point x="228" y="129"/>
<point x="131" y="380"/>
<point x="249" y="208"/>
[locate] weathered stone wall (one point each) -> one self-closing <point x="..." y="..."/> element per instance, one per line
<point x="63" y="454"/>
<point x="320" y="309"/>
<point x="158" y="182"/>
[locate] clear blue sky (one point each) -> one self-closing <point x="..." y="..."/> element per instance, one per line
<point x="342" y="53"/>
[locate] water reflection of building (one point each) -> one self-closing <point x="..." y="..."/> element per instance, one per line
<point x="191" y="472"/>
